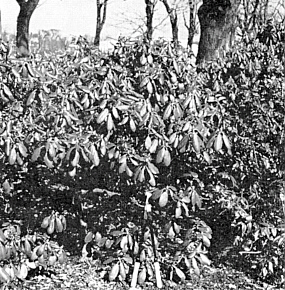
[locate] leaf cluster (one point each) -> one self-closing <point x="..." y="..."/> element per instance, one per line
<point x="143" y="117"/>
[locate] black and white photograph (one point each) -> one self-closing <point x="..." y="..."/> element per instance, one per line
<point x="142" y="144"/>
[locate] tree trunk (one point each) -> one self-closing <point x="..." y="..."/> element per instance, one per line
<point x="174" y="26"/>
<point x="101" y="18"/>
<point x="173" y="21"/>
<point x="22" y="38"/>
<point x="149" y="18"/>
<point x="192" y="26"/>
<point x="0" y="25"/>
<point x="218" y="23"/>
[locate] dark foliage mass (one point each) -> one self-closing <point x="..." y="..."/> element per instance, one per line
<point x="167" y="148"/>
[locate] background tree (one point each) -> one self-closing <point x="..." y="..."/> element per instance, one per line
<point x="254" y="13"/>
<point x="191" y="25"/>
<point x="150" y="4"/>
<point x="0" y="24"/>
<point x="172" y="12"/>
<point x="27" y="7"/>
<point x="192" y="21"/>
<point x="101" y="18"/>
<point x="218" y="22"/>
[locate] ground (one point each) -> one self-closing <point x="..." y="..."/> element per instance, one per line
<point x="31" y="204"/>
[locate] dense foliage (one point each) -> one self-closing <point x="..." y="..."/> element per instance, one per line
<point x="169" y="144"/>
<point x="21" y="254"/>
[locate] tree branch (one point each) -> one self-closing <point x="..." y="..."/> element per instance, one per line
<point x="185" y="22"/>
<point x="167" y="7"/>
<point x="104" y="12"/>
<point x="29" y="4"/>
<point x="109" y="193"/>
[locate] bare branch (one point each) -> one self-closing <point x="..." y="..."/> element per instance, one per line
<point x="172" y="13"/>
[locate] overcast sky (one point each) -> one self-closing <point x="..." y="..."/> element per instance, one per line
<point x="78" y="17"/>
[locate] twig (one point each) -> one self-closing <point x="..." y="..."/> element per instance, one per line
<point x="110" y="193"/>
<point x="251" y="253"/>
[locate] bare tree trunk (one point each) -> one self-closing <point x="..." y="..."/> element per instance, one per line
<point x="27" y="7"/>
<point x="173" y="20"/>
<point x="218" y="24"/>
<point x="101" y="18"/>
<point x="192" y="26"/>
<point x="0" y="24"/>
<point x="150" y="4"/>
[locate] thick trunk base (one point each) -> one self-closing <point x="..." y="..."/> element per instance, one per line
<point x="218" y="24"/>
<point x="22" y="38"/>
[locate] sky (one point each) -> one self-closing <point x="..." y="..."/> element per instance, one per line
<point x="78" y="17"/>
<point x="69" y="16"/>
